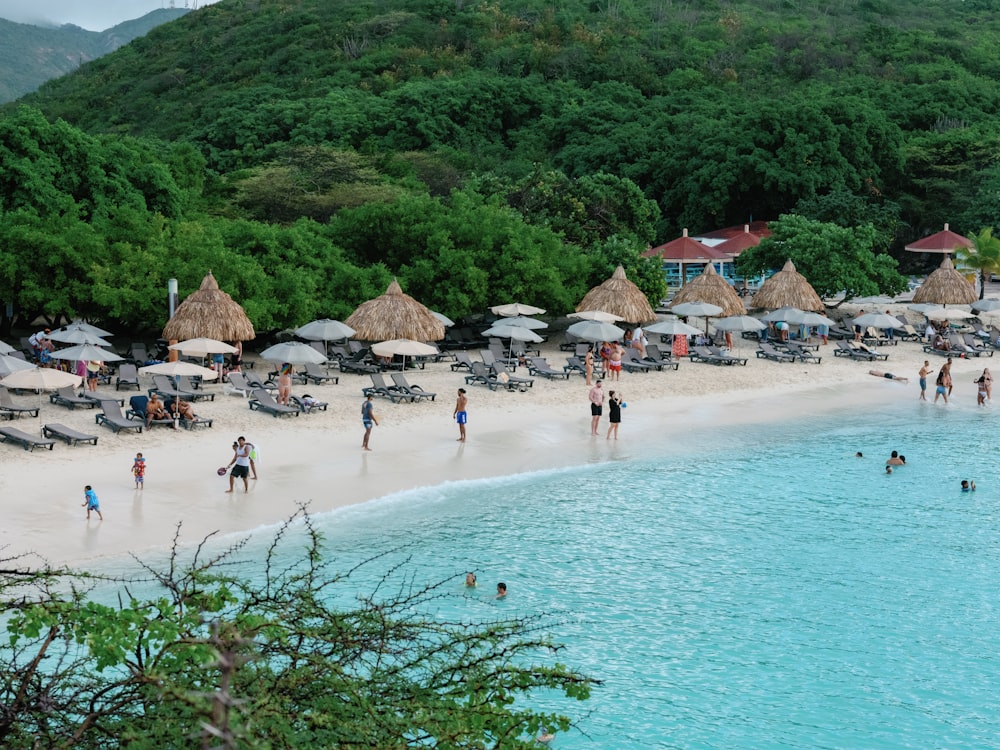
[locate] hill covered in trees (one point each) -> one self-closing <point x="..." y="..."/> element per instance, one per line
<point x="427" y="138"/>
<point x="31" y="55"/>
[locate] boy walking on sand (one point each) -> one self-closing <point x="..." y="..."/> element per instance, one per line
<point x="91" y="503"/>
<point x="139" y="471"/>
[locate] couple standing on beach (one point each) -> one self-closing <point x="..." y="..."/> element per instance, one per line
<point x="615" y="405"/>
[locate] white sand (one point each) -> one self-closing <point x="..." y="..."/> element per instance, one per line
<point x="317" y="458"/>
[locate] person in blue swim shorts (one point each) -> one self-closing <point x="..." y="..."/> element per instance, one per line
<point x="91" y="503"/>
<point x="461" y="416"/>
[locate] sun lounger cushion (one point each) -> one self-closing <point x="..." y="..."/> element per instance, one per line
<point x="28" y="442"/>
<point x="71" y="436"/>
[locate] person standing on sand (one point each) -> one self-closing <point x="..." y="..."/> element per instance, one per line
<point x="596" y="406"/>
<point x="614" y="413"/>
<point x="241" y="459"/>
<point x="924" y="372"/>
<point x="946" y="370"/>
<point x="588" y="366"/>
<point x="90" y="502"/>
<point x="284" y="384"/>
<point x="139" y="471"/>
<point x="368" y="419"/>
<point x="460" y="414"/>
<point x="940" y="386"/>
<point x="615" y="361"/>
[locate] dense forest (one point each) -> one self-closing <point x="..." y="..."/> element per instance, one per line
<point x="309" y="151"/>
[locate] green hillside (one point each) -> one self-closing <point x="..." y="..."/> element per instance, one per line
<point x="31" y="55"/>
<point x="607" y="125"/>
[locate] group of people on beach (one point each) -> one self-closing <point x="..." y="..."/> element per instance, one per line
<point x="615" y="406"/>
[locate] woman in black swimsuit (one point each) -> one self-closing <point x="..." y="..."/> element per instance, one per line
<point x="614" y="413"/>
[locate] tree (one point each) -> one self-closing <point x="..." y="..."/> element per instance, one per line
<point x="833" y="259"/>
<point x="983" y="256"/>
<point x="266" y="663"/>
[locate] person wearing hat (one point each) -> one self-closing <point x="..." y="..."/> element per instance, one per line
<point x="93" y="370"/>
<point x="41" y="345"/>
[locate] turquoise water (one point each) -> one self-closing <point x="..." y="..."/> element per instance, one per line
<point x="755" y="587"/>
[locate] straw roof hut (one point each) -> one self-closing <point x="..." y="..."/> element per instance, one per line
<point x="712" y="288"/>
<point x="209" y="313"/>
<point x="787" y="288"/>
<point x="394" y="315"/>
<point x="620" y="297"/>
<point x="946" y="286"/>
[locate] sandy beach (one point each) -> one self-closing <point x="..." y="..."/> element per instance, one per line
<point x="317" y="458"/>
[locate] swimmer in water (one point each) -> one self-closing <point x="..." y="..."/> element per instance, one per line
<point x="470" y="579"/>
<point x="968" y="486"/>
<point x="501" y="590"/>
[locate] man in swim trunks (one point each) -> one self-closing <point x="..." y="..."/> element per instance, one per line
<point x="895" y="460"/>
<point x="888" y="376"/>
<point x="460" y="414"/>
<point x="241" y="459"/>
<point x="924" y="372"/>
<point x="368" y="419"/>
<point x="615" y="361"/>
<point x="596" y="406"/>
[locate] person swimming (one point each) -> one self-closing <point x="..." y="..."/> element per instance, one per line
<point x="968" y="486"/>
<point x="501" y="590"/>
<point x="470" y="579"/>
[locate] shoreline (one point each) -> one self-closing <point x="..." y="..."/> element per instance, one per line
<point x="317" y="458"/>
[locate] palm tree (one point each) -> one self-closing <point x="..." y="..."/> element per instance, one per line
<point x="983" y="257"/>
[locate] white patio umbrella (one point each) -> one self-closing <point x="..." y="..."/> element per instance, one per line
<point x="88" y="352"/>
<point x="6" y="348"/>
<point x="950" y="313"/>
<point x="294" y="353"/>
<point x="599" y="315"/>
<point x="784" y="314"/>
<point x="404" y="348"/>
<point x="79" y="325"/>
<point x="77" y="335"/>
<point x="877" y="320"/>
<point x="325" y="330"/>
<point x="990" y="304"/>
<point x="445" y="320"/>
<point x="41" y="379"/>
<point x="924" y="307"/>
<point x="739" y="323"/>
<point x="178" y="369"/>
<point x="525" y="322"/>
<point x="504" y="330"/>
<point x="673" y="328"/>
<point x="595" y="330"/>
<point x="201" y="347"/>
<point x="13" y="364"/>
<point x="516" y="308"/>
<point x="811" y="318"/>
<point x="696" y="309"/>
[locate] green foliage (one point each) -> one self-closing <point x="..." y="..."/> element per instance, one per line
<point x="195" y="649"/>
<point x="983" y="256"/>
<point x="833" y="259"/>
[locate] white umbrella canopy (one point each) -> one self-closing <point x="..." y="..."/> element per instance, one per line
<point x="598" y="315"/>
<point x="783" y="314"/>
<point x="325" y="330"/>
<point x="503" y="330"/>
<point x="6" y="348"/>
<point x="294" y="353"/>
<point x="445" y="320"/>
<point x="77" y="335"/>
<point x="990" y="304"/>
<point x="79" y="325"/>
<point x="88" y="352"/>
<point x="178" y="369"/>
<point x="949" y="313"/>
<point x="41" y="379"/>
<point x="516" y="308"/>
<point x="203" y="346"/>
<point x="673" y="328"/>
<point x="404" y="348"/>
<point x="877" y="320"/>
<point x="924" y="307"/>
<point x="525" y="322"/>
<point x="810" y="318"/>
<point x="738" y="323"/>
<point x="595" y="330"/>
<point x="13" y="364"/>
<point x="696" y="309"/>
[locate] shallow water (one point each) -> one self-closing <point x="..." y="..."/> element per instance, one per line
<point x="755" y="586"/>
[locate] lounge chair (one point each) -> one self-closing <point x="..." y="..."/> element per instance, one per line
<point x="128" y="376"/>
<point x="503" y="377"/>
<point x="138" y="353"/>
<point x="10" y="410"/>
<point x="767" y="351"/>
<point x="67" y="397"/>
<point x="931" y="349"/>
<point x="733" y="359"/>
<point x="71" y="436"/>
<point x="863" y="347"/>
<point x="665" y="358"/>
<point x="137" y="410"/>
<point x="481" y="376"/>
<point x="28" y="442"/>
<point x="634" y="363"/>
<point x="635" y="356"/>
<point x="399" y="380"/>
<point x="569" y="343"/>
<point x="380" y="388"/>
<point x="538" y="366"/>
<point x="357" y="364"/>
<point x="980" y="346"/>
<point x="313" y="374"/>
<point x="489" y="356"/>
<point x="164" y="386"/>
<point x="97" y="397"/>
<point x="237" y="383"/>
<point x="193" y="386"/>
<point x="802" y="353"/>
<point x="111" y="416"/>
<point x="311" y="406"/>
<point x="261" y="400"/>
<point x="704" y="354"/>
<point x="576" y="364"/>
<point x="844" y="349"/>
<point x="461" y="361"/>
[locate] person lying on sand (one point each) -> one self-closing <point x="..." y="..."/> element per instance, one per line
<point x="888" y="376"/>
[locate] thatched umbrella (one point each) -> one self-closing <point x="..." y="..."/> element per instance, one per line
<point x="712" y="288"/>
<point x="946" y="286"/>
<point x="787" y="288"/>
<point x="395" y="315"/>
<point x="945" y="241"/>
<point x="209" y="313"/>
<point x="620" y="297"/>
